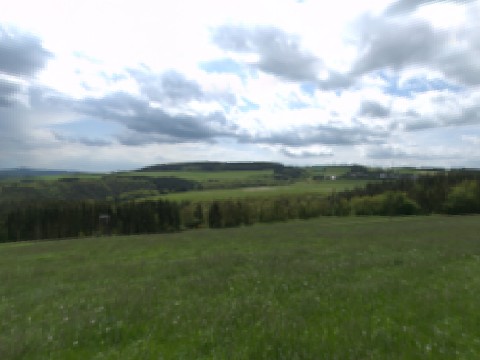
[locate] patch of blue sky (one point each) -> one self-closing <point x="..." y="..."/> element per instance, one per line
<point x="422" y="84"/>
<point x="308" y="87"/>
<point x="226" y="65"/>
<point x="248" y="105"/>
<point x="415" y="85"/>
<point x="296" y="105"/>
<point x="88" y="127"/>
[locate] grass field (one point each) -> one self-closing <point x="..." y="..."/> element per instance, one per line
<point x="298" y="188"/>
<point x="214" y="179"/>
<point x="330" y="288"/>
<point x="329" y="170"/>
<point x="200" y="176"/>
<point x="68" y="176"/>
<point x="203" y="176"/>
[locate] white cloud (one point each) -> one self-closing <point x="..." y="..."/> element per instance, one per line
<point x="302" y="81"/>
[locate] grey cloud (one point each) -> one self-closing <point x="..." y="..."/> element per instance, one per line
<point x="449" y="110"/>
<point x="137" y="115"/>
<point x="463" y="67"/>
<point x="180" y="127"/>
<point x="400" y="42"/>
<point x="7" y="92"/>
<point x="466" y="115"/>
<point x="458" y="109"/>
<point x="411" y="120"/>
<point x="112" y="106"/>
<point x="460" y="63"/>
<point x="336" y="80"/>
<point x="132" y="138"/>
<point x="172" y="87"/>
<point x="419" y="124"/>
<point x="18" y="139"/>
<point x="21" y="54"/>
<point x="135" y="138"/>
<point x="388" y="152"/>
<point x="44" y="98"/>
<point x="146" y="124"/>
<point x="396" y="44"/>
<point x="93" y="142"/>
<point x="407" y="6"/>
<point x="82" y="140"/>
<point x="383" y="43"/>
<point x="373" y="109"/>
<point x="320" y="135"/>
<point x="12" y="128"/>
<point x="279" y="53"/>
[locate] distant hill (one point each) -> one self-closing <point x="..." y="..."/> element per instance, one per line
<point x="27" y="172"/>
<point x="214" y="166"/>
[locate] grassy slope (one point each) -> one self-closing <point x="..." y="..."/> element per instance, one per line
<point x="68" y="176"/>
<point x="204" y="175"/>
<point x="298" y="188"/>
<point x="332" y="288"/>
<point x="329" y="170"/>
<point x="217" y="185"/>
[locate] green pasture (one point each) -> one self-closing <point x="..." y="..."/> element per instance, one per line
<point x="297" y="188"/>
<point x="328" y="170"/>
<point x="203" y="175"/>
<point x="65" y="176"/>
<point x="330" y="288"/>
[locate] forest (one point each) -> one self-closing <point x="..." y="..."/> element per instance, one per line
<point x="92" y="210"/>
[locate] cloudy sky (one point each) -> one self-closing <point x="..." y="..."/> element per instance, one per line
<point x="119" y="84"/>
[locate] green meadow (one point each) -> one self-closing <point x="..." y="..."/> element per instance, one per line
<point x="204" y="176"/>
<point x="298" y="188"/>
<point x="329" y="288"/>
<point x="87" y="176"/>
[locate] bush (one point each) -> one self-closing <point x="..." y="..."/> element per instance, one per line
<point x="463" y="198"/>
<point x="390" y="203"/>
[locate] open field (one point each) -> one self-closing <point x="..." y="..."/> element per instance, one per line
<point x="67" y="176"/>
<point x="329" y="170"/>
<point x="212" y="179"/>
<point x="202" y="176"/>
<point x="330" y="288"/>
<point x="297" y="188"/>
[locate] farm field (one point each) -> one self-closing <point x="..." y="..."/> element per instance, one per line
<point x="329" y="170"/>
<point x="297" y="188"/>
<point x="329" y="288"/>
<point x="90" y="176"/>
<point x="204" y="175"/>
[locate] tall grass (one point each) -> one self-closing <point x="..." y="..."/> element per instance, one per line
<point x="330" y="288"/>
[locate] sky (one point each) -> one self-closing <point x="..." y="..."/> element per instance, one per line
<point x="118" y="84"/>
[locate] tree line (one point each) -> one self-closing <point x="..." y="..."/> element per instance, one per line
<point x="452" y="192"/>
<point x="87" y="218"/>
<point x="76" y="189"/>
<point x="448" y="193"/>
<point x="215" y="166"/>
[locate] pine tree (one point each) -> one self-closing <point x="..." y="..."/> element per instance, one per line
<point x="214" y="216"/>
